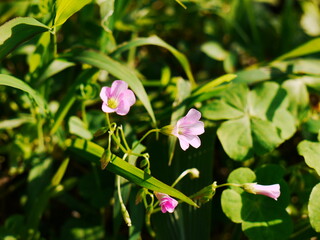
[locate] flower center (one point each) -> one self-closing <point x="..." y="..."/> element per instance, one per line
<point x="113" y="103"/>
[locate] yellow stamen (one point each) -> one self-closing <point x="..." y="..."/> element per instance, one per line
<point x="113" y="103"/>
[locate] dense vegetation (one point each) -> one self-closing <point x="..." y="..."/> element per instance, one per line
<point x="69" y="170"/>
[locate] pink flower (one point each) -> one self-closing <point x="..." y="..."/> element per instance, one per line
<point x="187" y="129"/>
<point x="272" y="191"/>
<point x="117" y="98"/>
<point x="167" y="203"/>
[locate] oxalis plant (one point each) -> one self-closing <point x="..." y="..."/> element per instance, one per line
<point x="119" y="99"/>
<point x="212" y="133"/>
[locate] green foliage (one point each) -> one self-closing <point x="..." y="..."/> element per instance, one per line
<point x="69" y="171"/>
<point x="17" y="31"/>
<point x="93" y="153"/>
<point x="313" y="208"/>
<point x="65" y="9"/>
<point x="10" y="81"/>
<point x="311" y="153"/>
<point x="260" y="217"/>
<point x="258" y="120"/>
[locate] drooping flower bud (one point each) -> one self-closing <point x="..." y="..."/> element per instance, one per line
<point x="272" y="191"/>
<point x="167" y="203"/>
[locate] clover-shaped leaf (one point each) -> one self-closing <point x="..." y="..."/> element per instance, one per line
<point x="257" y="121"/>
<point x="314" y="208"/>
<point x="260" y="217"/>
<point x="311" y="153"/>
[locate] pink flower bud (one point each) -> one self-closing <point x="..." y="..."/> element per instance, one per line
<point x="117" y="98"/>
<point x="272" y="191"/>
<point x="167" y="203"/>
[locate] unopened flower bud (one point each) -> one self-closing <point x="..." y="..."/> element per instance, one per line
<point x="194" y="173"/>
<point x="272" y="191"/>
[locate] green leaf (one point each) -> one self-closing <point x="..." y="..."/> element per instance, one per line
<point x="311" y="153"/>
<point x="257" y="75"/>
<point x="56" y="66"/>
<point x="236" y="96"/>
<point x="93" y="152"/>
<point x="155" y="40"/>
<point x="118" y="70"/>
<point x="70" y="98"/>
<point x="78" y="128"/>
<point x="270" y="102"/>
<point x="60" y="173"/>
<point x="17" y="31"/>
<point x="10" y="81"/>
<point x="219" y="110"/>
<point x="236" y="139"/>
<point x="241" y="175"/>
<point x="214" y="50"/>
<point x="265" y="136"/>
<point x="17" y="122"/>
<point x="260" y="217"/>
<point x="299" y="97"/>
<point x="314" y="208"/>
<point x="258" y="120"/>
<point x="313" y="46"/>
<point x="215" y="83"/>
<point x="265" y="99"/>
<point x="66" y="8"/>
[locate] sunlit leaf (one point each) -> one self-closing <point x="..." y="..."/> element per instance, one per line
<point x="17" y="31"/>
<point x="10" y="81"/>
<point x="118" y="70"/>
<point x="155" y="40"/>
<point x="314" y="208"/>
<point x="310" y="47"/>
<point x="260" y="217"/>
<point x="214" y="50"/>
<point x="66" y="8"/>
<point x="311" y="153"/>
<point x="214" y="83"/>
<point x="78" y="128"/>
<point x="93" y="152"/>
<point x="257" y="121"/>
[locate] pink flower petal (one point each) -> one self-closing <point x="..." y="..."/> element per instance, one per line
<point x="118" y="87"/>
<point x="123" y="108"/>
<point x="188" y="128"/>
<point x="183" y="143"/>
<point x="129" y="96"/>
<point x="196" y="129"/>
<point x="107" y="109"/>
<point x="118" y="96"/>
<point x="272" y="191"/>
<point x="103" y="94"/>
<point x="193" y="115"/>
<point x="167" y="203"/>
<point x="195" y="142"/>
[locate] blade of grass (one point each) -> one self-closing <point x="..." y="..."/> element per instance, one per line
<point x="93" y="152"/>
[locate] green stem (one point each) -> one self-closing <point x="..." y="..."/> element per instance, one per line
<point x="144" y="136"/>
<point x="229" y="184"/>
<point x="123" y="138"/>
<point x="40" y="133"/>
<point x="113" y="136"/>
<point x="124" y="211"/>
<point x="182" y="175"/>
